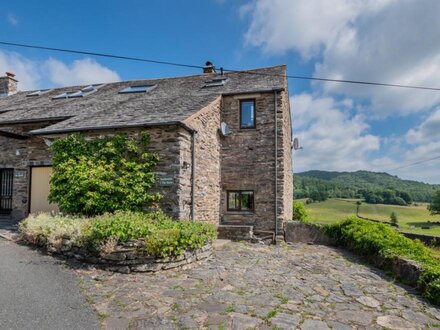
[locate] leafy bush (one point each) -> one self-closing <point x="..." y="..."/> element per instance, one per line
<point x="163" y="236"/>
<point x="369" y="239"/>
<point x="102" y="174"/>
<point x="174" y="241"/>
<point x="299" y="212"/>
<point x="123" y="226"/>
<point x="45" y="229"/>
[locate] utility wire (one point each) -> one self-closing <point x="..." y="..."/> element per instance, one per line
<point x="227" y="70"/>
<point x="415" y="163"/>
<point x="100" y="55"/>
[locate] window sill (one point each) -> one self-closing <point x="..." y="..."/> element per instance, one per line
<point x="239" y="213"/>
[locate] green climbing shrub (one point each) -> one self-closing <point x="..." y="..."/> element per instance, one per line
<point x="102" y="174"/>
<point x="299" y="212"/>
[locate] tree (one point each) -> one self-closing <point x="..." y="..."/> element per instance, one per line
<point x="434" y="207"/>
<point x="393" y="219"/>
<point x="100" y="175"/>
<point x="358" y="206"/>
<point x="299" y="212"/>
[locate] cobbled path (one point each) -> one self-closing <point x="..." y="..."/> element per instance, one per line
<point x="249" y="286"/>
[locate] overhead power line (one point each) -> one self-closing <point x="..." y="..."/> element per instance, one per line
<point x="120" y="57"/>
<point x="138" y="59"/>
<point x="415" y="163"/>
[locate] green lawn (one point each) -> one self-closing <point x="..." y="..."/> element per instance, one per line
<point x="410" y="218"/>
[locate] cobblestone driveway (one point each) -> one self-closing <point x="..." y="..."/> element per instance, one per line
<point x="247" y="286"/>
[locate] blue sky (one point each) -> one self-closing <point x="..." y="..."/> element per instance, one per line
<point x="341" y="127"/>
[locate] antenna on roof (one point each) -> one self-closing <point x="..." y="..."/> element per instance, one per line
<point x="295" y="144"/>
<point x="224" y="129"/>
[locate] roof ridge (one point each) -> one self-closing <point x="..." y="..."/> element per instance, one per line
<point x="147" y="79"/>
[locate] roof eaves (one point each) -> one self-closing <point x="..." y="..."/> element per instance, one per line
<point x="36" y="120"/>
<point x="103" y="127"/>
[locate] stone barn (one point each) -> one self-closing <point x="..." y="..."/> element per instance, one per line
<point x="224" y="141"/>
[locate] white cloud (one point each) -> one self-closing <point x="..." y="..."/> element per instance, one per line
<point x="372" y="40"/>
<point x="86" y="71"/>
<point x="427" y="131"/>
<point x="332" y="138"/>
<point x="12" y="19"/>
<point x="304" y="26"/>
<point x="26" y="71"/>
<point x="36" y="74"/>
<point x="426" y="171"/>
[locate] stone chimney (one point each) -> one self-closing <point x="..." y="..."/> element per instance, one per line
<point x="209" y="67"/>
<point x="8" y="84"/>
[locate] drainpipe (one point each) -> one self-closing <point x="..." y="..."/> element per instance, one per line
<point x="276" y="161"/>
<point x="193" y="173"/>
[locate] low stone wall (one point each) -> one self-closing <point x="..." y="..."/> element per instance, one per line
<point x="298" y="232"/>
<point x="130" y="257"/>
<point x="403" y="269"/>
<point x="235" y="232"/>
<point x="427" y="239"/>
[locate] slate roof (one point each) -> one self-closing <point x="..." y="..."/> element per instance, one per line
<point x="171" y="101"/>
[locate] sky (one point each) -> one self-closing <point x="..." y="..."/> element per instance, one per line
<point x="341" y="127"/>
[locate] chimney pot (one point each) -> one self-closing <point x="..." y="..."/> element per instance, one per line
<point x="8" y="84"/>
<point x="209" y="67"/>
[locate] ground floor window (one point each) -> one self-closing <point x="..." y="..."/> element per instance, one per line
<point x="240" y="200"/>
<point x="6" y="181"/>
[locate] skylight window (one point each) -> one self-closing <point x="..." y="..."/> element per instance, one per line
<point x="38" y="93"/>
<point x="217" y="82"/>
<point x="60" y="96"/>
<point x="137" y="89"/>
<point x="81" y="93"/>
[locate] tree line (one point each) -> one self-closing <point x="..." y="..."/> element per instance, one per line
<point x="375" y="188"/>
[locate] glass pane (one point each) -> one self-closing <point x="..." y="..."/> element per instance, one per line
<point x="247" y="114"/>
<point x="247" y="200"/>
<point x="233" y="202"/>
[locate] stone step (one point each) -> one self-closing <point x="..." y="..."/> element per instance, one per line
<point x="235" y="232"/>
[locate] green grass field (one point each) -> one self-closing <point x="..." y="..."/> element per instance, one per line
<point x="410" y="218"/>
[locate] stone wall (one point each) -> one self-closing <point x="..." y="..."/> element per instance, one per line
<point x="18" y="154"/>
<point x="286" y="171"/>
<point x="207" y="163"/>
<point x="130" y="257"/>
<point x="167" y="141"/>
<point x="298" y="232"/>
<point x="248" y="160"/>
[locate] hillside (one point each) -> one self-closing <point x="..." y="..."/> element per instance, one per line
<point x="354" y="184"/>
<point x="412" y="219"/>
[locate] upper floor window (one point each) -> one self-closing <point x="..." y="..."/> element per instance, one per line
<point x="247" y="114"/>
<point x="240" y="200"/>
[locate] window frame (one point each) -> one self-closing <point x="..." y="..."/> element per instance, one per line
<point x="254" y="126"/>
<point x="239" y="209"/>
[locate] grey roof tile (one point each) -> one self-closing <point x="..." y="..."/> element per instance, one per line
<point x="173" y="100"/>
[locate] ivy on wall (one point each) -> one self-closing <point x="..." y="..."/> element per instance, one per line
<point x="102" y="174"/>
